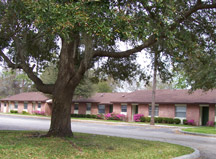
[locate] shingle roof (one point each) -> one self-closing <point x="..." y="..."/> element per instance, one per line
<point x="27" y="96"/>
<point x="170" y="96"/>
<point x="102" y="98"/>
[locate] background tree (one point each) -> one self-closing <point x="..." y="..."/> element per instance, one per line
<point x="88" y="31"/>
<point x="13" y="82"/>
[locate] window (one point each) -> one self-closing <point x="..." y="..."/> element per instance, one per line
<point x="5" y="104"/>
<point x="156" y="110"/>
<point x="39" y="105"/>
<point x="88" y="107"/>
<point x="101" y="109"/>
<point x="124" y="108"/>
<point x="180" y="111"/>
<point x="76" y="106"/>
<point x="26" y="105"/>
<point x="16" y="105"/>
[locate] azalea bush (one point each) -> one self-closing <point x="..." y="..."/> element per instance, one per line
<point x="210" y="123"/>
<point x="38" y="112"/>
<point x="137" y="117"/>
<point x="113" y="116"/>
<point x="190" y="122"/>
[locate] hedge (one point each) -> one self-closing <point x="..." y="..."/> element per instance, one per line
<point x="161" y="120"/>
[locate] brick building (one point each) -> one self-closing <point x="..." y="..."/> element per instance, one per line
<point x="198" y="106"/>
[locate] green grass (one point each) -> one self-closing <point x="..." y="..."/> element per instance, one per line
<point x="204" y="130"/>
<point x="22" y="145"/>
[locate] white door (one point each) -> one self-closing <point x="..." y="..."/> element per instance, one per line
<point x="5" y="109"/>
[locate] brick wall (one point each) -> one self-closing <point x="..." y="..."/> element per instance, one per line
<point x="94" y="108"/>
<point x="193" y="113"/>
<point x="82" y="108"/>
<point x="167" y="110"/>
<point x="143" y="109"/>
<point x="212" y="112"/>
<point x="117" y="108"/>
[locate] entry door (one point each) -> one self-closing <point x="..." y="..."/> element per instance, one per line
<point x="205" y="115"/>
<point x="134" y="111"/>
<point x="5" y="109"/>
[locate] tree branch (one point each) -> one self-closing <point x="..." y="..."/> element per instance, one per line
<point x="9" y="62"/>
<point x="148" y="43"/>
<point x="45" y="88"/>
<point x="152" y="39"/>
<point x="198" y="6"/>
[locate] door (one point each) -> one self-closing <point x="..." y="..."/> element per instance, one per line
<point x="110" y="108"/>
<point x="134" y="111"/>
<point x="5" y="108"/>
<point x="205" y="115"/>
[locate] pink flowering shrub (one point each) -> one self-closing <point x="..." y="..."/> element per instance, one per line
<point x="137" y="117"/>
<point x="38" y="112"/>
<point x="99" y="116"/>
<point x="113" y="116"/>
<point x="190" y="122"/>
<point x="109" y="116"/>
<point x="210" y="123"/>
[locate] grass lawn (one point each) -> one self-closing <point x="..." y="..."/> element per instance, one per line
<point x="204" y="130"/>
<point x="22" y="145"/>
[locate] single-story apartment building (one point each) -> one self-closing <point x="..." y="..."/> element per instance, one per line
<point x="28" y="102"/>
<point x="199" y="106"/>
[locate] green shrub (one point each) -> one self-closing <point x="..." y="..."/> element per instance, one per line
<point x="142" y="119"/>
<point x="159" y="120"/>
<point x="24" y="112"/>
<point x="88" y="116"/>
<point x="93" y="116"/>
<point x="156" y="119"/>
<point x="13" y="111"/>
<point x="148" y="119"/>
<point x="185" y="122"/>
<point x="164" y="120"/>
<point x="177" y="121"/>
<point x="170" y="121"/>
<point x="83" y="116"/>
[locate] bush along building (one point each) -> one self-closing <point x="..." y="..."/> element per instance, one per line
<point x="198" y="108"/>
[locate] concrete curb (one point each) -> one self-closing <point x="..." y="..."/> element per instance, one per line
<point x="194" y="155"/>
<point x="198" y="134"/>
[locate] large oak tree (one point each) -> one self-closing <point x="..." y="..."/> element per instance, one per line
<point x="84" y="31"/>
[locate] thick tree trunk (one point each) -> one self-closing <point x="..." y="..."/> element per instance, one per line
<point x="61" y="114"/>
<point x="154" y="90"/>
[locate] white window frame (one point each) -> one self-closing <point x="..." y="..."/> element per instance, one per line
<point x="39" y="103"/>
<point x="215" y="113"/>
<point x="88" y="111"/>
<point x="5" y="107"/>
<point x="24" y="106"/>
<point x="124" y="104"/>
<point x="156" y="105"/>
<point x="33" y="106"/>
<point x="76" y="111"/>
<point x="181" y="105"/>
<point x="15" y="105"/>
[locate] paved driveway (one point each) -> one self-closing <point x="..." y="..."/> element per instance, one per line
<point x="206" y="145"/>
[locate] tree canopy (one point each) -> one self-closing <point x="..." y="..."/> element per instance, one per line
<point x="76" y="34"/>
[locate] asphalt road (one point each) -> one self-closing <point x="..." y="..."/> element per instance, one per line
<point x="206" y="145"/>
